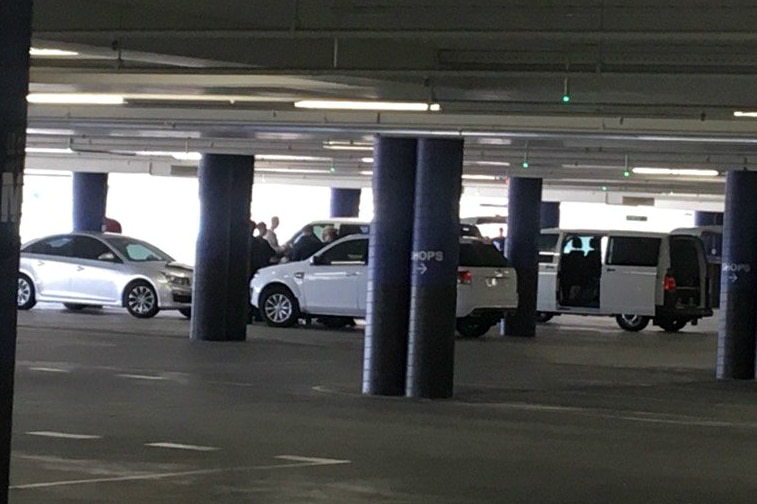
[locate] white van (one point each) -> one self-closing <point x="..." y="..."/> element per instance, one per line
<point x="636" y="277"/>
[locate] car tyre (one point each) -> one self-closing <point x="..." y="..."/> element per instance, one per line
<point x="26" y="297"/>
<point x="141" y="300"/>
<point x="473" y="327"/>
<point x="544" y="317"/>
<point x="672" y="324"/>
<point x="631" y="322"/>
<point x="279" y="307"/>
<point x="187" y="312"/>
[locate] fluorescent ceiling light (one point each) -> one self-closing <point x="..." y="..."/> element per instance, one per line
<point x="366" y="160"/>
<point x="288" y="157"/>
<point x="740" y="113"/>
<point x="347" y="146"/>
<point x="367" y="172"/>
<point x="640" y="170"/>
<point x="480" y="177"/>
<point x="292" y="171"/>
<point x="44" y="52"/>
<point x="368" y="105"/>
<point x="48" y="150"/>
<point x="31" y="172"/>
<point x="179" y="156"/>
<point x="487" y="163"/>
<point x="75" y="98"/>
<point x="593" y="166"/>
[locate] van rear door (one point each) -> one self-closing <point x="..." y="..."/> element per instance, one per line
<point x="629" y="275"/>
<point x="688" y="288"/>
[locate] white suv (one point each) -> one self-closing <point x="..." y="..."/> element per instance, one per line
<point x="333" y="285"/>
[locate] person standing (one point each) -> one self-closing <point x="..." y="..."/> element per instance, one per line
<point x="306" y="246"/>
<point x="261" y="254"/>
<point x="270" y="234"/>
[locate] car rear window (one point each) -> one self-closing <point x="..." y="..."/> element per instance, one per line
<point x="481" y="255"/>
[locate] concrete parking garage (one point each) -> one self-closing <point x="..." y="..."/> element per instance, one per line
<point x="586" y="412"/>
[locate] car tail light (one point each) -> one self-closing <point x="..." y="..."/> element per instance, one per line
<point x="464" y="277"/>
<point x="669" y="283"/>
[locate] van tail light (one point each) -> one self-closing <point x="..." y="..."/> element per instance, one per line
<point x="669" y="283"/>
<point x="464" y="277"/>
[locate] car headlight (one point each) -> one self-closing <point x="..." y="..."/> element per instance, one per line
<point x="177" y="280"/>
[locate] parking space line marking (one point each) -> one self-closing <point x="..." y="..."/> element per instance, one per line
<point x="49" y="370"/>
<point x="141" y="377"/>
<point x="62" y="435"/>
<point x="298" y="462"/>
<point x="179" y="446"/>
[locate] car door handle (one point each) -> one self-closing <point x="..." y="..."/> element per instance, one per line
<point x="299" y="275"/>
<point x="610" y="269"/>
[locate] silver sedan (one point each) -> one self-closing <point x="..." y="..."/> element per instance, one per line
<point x="103" y="269"/>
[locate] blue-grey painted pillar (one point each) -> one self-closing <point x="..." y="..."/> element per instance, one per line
<point x="219" y="293"/>
<point x="702" y="218"/>
<point x="738" y="297"/>
<point x="15" y="38"/>
<point x="90" y="197"/>
<point x="388" y="303"/>
<point x="550" y="215"/>
<point x="524" y="203"/>
<point x="435" y="258"/>
<point x="345" y="202"/>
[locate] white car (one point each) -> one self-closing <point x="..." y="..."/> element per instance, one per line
<point x="103" y="269"/>
<point x="333" y="285"/>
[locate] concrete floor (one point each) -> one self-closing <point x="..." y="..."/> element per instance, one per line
<point x="583" y="413"/>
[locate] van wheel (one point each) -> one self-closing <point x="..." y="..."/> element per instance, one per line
<point x="544" y="317"/>
<point x="473" y="327"/>
<point x="631" y="322"/>
<point x="672" y="325"/>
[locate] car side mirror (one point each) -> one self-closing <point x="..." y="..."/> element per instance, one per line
<point x="108" y="257"/>
<point x="317" y="260"/>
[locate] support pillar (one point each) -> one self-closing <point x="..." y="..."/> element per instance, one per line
<point x="388" y="303"/>
<point x="550" y="215"/>
<point x="15" y="39"/>
<point x="702" y="218"/>
<point x="345" y="202"/>
<point x="90" y="196"/>
<point x="435" y="258"/>
<point x="738" y="298"/>
<point x="221" y="277"/>
<point x="521" y="248"/>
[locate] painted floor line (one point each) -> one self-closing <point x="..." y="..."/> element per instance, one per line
<point x="180" y="446"/>
<point x="298" y="462"/>
<point x="142" y="377"/>
<point x="49" y="370"/>
<point x="62" y="435"/>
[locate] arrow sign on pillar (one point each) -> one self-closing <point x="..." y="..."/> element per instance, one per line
<point x="421" y="268"/>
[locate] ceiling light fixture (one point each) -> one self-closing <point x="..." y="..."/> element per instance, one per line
<point x="43" y="52"/>
<point x="289" y="157"/>
<point x="368" y="105"/>
<point x="48" y="150"/>
<point x="295" y="171"/>
<point x="366" y="160"/>
<point x="75" y="99"/>
<point x="740" y="113"/>
<point x="686" y="172"/>
<point x="347" y="146"/>
<point x="479" y="177"/>
<point x="487" y="163"/>
<point x="367" y="172"/>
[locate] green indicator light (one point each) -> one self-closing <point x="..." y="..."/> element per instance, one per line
<point x="524" y="164"/>
<point x="566" y="98"/>
<point x="626" y="173"/>
<point x="604" y="187"/>
<point x="332" y="169"/>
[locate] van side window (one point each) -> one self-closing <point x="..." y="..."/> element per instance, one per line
<point x="633" y="251"/>
<point x="547" y="244"/>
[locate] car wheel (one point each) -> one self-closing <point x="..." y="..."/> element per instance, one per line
<point x="279" y="307"/>
<point x="187" y="312"/>
<point x="473" y="327"/>
<point x="672" y="325"/>
<point x="141" y="300"/>
<point x="631" y="322"/>
<point x="544" y="317"/>
<point x="26" y="297"/>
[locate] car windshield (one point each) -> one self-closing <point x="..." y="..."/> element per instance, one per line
<point x="137" y="250"/>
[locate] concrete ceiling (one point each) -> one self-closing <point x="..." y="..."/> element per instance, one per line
<point x="652" y="83"/>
